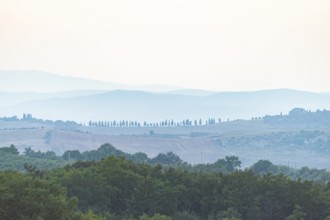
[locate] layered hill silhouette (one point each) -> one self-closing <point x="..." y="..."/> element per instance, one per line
<point x="83" y="106"/>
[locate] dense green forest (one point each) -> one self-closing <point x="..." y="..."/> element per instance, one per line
<point x="117" y="188"/>
<point x="92" y="185"/>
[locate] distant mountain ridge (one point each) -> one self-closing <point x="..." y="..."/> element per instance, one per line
<point x="20" y="81"/>
<point x="12" y="98"/>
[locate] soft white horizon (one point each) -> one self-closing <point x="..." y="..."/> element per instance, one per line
<point x="210" y="45"/>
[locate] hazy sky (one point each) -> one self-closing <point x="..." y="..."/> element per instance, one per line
<point x="207" y="44"/>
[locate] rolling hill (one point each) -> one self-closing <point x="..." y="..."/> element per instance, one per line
<point x="54" y="97"/>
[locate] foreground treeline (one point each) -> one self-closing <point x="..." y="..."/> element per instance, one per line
<point x="116" y="188"/>
<point x="10" y="159"/>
